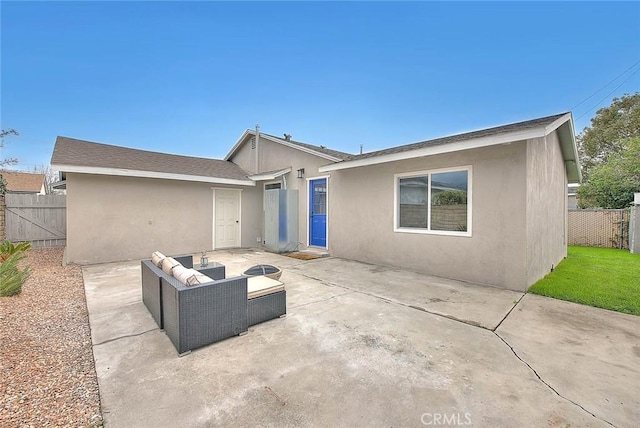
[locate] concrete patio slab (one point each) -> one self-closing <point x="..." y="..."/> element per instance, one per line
<point x="600" y="368"/>
<point x="471" y="303"/>
<point x="344" y="356"/>
<point x="115" y="309"/>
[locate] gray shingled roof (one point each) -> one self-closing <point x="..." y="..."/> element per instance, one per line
<point x="72" y="152"/>
<point x="513" y="127"/>
<point x="319" y="149"/>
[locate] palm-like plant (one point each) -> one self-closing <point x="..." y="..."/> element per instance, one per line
<point x="11" y="276"/>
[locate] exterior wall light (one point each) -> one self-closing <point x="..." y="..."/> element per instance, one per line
<point x="301" y="173"/>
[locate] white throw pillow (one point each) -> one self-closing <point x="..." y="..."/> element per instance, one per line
<point x="196" y="277"/>
<point x="168" y="264"/>
<point x="156" y="258"/>
<point x="181" y="273"/>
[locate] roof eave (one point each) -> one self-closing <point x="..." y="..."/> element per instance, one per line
<point x="237" y="145"/>
<point x="150" y="174"/>
<point x="563" y="124"/>
<point x="440" y="149"/>
<point x="270" y="175"/>
<point x="62" y="184"/>
<point x="567" y="138"/>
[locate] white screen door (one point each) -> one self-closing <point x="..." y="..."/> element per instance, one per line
<point x="226" y="232"/>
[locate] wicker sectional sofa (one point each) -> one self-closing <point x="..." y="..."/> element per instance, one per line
<point x="201" y="314"/>
<point x="266" y="303"/>
<point x="152" y="286"/>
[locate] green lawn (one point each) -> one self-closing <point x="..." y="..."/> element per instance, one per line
<point x="601" y="277"/>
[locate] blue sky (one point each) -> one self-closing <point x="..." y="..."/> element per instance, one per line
<point x="190" y="77"/>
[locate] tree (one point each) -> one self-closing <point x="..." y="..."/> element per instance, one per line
<point x="612" y="183"/>
<point x="50" y="177"/>
<point x="449" y="197"/>
<point x="5" y="133"/>
<point x="5" y="162"/>
<point x="609" y="129"/>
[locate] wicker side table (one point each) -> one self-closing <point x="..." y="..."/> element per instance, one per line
<point x="213" y="270"/>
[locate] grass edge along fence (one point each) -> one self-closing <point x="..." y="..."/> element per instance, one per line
<point x="604" y="278"/>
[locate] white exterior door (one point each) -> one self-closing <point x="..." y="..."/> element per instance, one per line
<point x="226" y="230"/>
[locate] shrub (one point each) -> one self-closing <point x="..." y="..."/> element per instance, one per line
<point x="449" y="197"/>
<point x="11" y="276"/>
<point x="8" y="248"/>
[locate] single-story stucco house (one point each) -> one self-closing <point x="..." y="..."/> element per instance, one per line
<point x="488" y="206"/>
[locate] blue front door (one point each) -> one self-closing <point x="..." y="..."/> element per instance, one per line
<point x="318" y="212"/>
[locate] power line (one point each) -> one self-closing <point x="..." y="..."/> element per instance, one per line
<point x="599" y="90"/>
<point x="609" y="94"/>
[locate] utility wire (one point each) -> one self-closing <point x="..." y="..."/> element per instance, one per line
<point x="599" y="90"/>
<point x="609" y="94"/>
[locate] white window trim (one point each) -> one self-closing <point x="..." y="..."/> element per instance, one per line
<point x="308" y="238"/>
<point x="396" y="201"/>
<point x="266" y="183"/>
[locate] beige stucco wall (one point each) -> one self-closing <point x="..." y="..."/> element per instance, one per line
<point x="251" y="225"/>
<point x="274" y="156"/>
<point x="245" y="156"/>
<point x="546" y="207"/>
<point x="113" y="218"/>
<point x="361" y="205"/>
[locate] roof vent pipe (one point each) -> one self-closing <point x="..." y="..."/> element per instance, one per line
<point x="361" y="147"/>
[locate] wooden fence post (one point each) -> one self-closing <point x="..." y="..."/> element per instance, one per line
<point x="2" y="222"/>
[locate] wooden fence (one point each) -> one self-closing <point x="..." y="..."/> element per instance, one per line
<point x="599" y="228"/>
<point x="41" y="219"/>
<point x="2" y="227"/>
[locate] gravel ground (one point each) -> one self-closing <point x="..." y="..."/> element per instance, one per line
<point x="47" y="372"/>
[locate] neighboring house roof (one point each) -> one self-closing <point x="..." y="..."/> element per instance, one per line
<point x="487" y="137"/>
<point x="23" y="182"/>
<point x="321" y="151"/>
<point x="72" y="155"/>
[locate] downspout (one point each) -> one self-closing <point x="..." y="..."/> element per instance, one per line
<point x="284" y="181"/>
<point x="257" y="149"/>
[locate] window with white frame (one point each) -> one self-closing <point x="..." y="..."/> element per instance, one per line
<point x="272" y="185"/>
<point x="437" y="201"/>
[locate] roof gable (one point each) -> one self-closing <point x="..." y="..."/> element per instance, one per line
<point x="320" y="151"/>
<point x="72" y="155"/>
